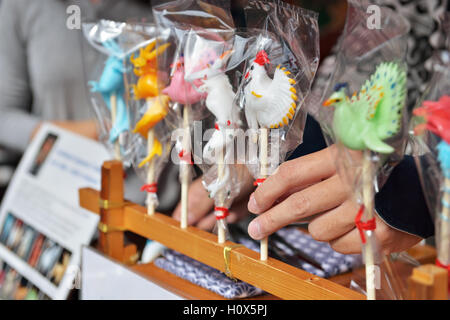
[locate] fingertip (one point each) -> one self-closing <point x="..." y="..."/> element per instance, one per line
<point x="254" y="230"/>
<point x="253" y="206"/>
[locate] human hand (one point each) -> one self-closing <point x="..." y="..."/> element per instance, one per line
<point x="87" y="128"/>
<point x="201" y="207"/>
<point x="310" y="188"/>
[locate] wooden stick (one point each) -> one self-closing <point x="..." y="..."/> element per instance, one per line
<point x="263" y="147"/>
<point x="113" y="102"/>
<point x="444" y="245"/>
<point x="221" y="196"/>
<point x="185" y="170"/>
<point x="150" y="172"/>
<point x="368" y="199"/>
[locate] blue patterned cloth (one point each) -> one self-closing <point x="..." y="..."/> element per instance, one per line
<point x="205" y="276"/>
<point x="209" y="278"/>
<point x="332" y="262"/>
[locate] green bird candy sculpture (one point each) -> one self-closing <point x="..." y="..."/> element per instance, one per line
<point x="364" y="120"/>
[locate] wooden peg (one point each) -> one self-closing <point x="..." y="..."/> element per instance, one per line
<point x="428" y="282"/>
<point x="111" y="210"/>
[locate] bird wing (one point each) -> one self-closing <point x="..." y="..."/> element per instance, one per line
<point x="374" y="143"/>
<point x="282" y="98"/>
<point x="384" y="94"/>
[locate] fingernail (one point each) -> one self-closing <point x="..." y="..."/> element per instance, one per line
<point x="254" y="230"/>
<point x="252" y="205"/>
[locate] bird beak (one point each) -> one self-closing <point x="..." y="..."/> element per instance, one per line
<point x="329" y="102"/>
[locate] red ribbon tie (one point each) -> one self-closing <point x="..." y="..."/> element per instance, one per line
<point x="223" y="212"/>
<point x="257" y="182"/>
<point x="150" y="188"/>
<point x="364" y="226"/>
<point x="440" y="264"/>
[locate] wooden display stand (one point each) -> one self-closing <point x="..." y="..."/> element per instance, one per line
<point x="280" y="280"/>
<point x="428" y="282"/>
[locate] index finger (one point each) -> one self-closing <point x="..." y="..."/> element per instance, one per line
<point x="293" y="174"/>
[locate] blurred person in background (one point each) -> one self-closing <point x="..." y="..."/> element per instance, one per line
<point x="41" y="63"/>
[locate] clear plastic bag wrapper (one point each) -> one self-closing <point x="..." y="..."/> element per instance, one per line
<point x="149" y="107"/>
<point x="115" y="41"/>
<point x="365" y="115"/>
<point x="212" y="62"/>
<point x="177" y="19"/>
<point x="392" y="285"/>
<point x="277" y="79"/>
<point x="431" y="147"/>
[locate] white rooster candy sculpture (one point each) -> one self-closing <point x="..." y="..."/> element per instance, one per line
<point x="269" y="103"/>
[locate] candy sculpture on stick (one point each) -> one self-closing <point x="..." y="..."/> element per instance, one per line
<point x="278" y="78"/>
<point x="220" y="102"/>
<point x="112" y="88"/>
<point x="145" y="68"/>
<point x="437" y="120"/>
<point x="183" y="20"/>
<point x="181" y="92"/>
<point x="363" y="122"/>
<point x="269" y="104"/>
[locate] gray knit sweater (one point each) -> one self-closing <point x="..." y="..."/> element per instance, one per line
<point x="41" y="62"/>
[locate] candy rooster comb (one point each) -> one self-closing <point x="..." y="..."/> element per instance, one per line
<point x="262" y="58"/>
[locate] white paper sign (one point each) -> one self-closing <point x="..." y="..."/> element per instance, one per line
<point x="105" y="279"/>
<point x="42" y="227"/>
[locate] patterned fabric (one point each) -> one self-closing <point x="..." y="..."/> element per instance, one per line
<point x="200" y="274"/>
<point x="205" y="276"/>
<point x="332" y="262"/>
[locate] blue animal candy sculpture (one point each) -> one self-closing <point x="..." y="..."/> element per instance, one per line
<point x="111" y="85"/>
